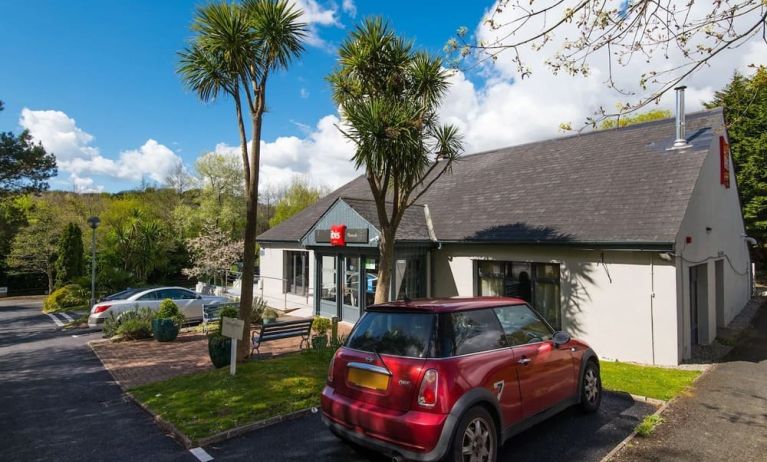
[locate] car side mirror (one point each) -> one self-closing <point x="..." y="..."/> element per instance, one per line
<point x="560" y="338"/>
<point x="199" y="297"/>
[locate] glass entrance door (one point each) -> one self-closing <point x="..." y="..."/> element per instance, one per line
<point x="351" y="289"/>
<point x="328" y="286"/>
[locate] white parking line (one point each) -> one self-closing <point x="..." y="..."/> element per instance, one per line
<point x="67" y="317"/>
<point x="201" y="455"/>
<point x="56" y="320"/>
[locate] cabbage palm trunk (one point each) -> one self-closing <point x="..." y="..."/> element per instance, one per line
<point x="388" y="94"/>
<point x="233" y="53"/>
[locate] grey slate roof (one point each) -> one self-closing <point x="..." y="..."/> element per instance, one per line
<point x="412" y="228"/>
<point x="610" y="186"/>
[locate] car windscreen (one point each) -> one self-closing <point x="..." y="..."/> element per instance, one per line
<point x="393" y="333"/>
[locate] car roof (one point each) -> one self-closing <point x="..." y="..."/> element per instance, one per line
<point x="447" y="305"/>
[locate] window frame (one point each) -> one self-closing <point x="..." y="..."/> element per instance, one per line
<point x="534" y="279"/>
<point x="289" y="277"/>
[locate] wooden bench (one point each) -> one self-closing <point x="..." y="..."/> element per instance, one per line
<point x="286" y="329"/>
<point x="212" y="313"/>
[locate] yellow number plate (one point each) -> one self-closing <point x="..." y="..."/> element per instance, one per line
<point x="368" y="379"/>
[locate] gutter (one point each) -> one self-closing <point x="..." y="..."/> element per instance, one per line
<point x="586" y="245"/>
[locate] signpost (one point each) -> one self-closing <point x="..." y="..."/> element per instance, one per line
<point x="232" y="328"/>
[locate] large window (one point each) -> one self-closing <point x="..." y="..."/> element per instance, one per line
<point x="296" y="272"/>
<point x="536" y="283"/>
<point x="410" y="277"/>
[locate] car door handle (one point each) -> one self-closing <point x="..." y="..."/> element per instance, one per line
<point x="524" y="361"/>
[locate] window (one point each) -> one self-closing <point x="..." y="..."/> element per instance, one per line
<point x="153" y="295"/>
<point x="176" y="294"/>
<point x="521" y="325"/>
<point x="328" y="278"/>
<point x="296" y="272"/>
<point x="400" y="333"/>
<point x="535" y="283"/>
<point x="467" y="332"/>
<point x="410" y="277"/>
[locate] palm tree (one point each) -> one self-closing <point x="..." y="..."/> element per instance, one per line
<point x="234" y="51"/>
<point x="389" y="94"/>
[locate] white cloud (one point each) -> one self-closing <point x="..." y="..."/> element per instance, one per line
<point x="76" y="155"/>
<point x="316" y="15"/>
<point x="349" y="8"/>
<point x="304" y="93"/>
<point x="506" y="110"/>
<point x="324" y="155"/>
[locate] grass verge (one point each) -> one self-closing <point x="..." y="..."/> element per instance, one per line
<point x="202" y="405"/>
<point x="653" y="382"/>
<point x="647" y="426"/>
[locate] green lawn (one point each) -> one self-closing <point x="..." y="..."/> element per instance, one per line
<point x="653" y="382"/>
<point x="201" y="405"/>
<point x="204" y="404"/>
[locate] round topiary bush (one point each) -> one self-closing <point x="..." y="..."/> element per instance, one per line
<point x="167" y="321"/>
<point x="69" y="296"/>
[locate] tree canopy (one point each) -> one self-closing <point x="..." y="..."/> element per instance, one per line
<point x="299" y="195"/>
<point x="25" y="166"/>
<point x="655" y="114"/>
<point x="69" y="261"/>
<point x="744" y="101"/>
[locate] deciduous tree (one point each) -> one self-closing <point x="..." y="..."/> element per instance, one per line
<point x="684" y="36"/>
<point x="299" y="195"/>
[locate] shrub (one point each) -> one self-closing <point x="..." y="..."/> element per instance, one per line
<point x="169" y="310"/>
<point x="110" y="325"/>
<point x="321" y="326"/>
<point x="135" y="324"/>
<point x="257" y="313"/>
<point x="68" y="296"/>
<point x="270" y="314"/>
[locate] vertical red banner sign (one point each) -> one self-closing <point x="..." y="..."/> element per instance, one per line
<point x="338" y="235"/>
<point x="724" y="162"/>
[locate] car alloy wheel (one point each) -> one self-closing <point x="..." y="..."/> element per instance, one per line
<point x="478" y="441"/>
<point x="591" y="386"/>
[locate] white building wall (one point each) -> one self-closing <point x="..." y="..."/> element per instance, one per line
<point x="626" y="308"/>
<point x="270" y="284"/>
<point x="718" y="208"/>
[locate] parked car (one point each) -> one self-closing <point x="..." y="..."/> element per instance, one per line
<point x="189" y="302"/>
<point x="452" y="379"/>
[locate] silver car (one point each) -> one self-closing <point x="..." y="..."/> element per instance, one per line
<point x="189" y="302"/>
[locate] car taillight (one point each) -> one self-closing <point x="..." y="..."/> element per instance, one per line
<point x="100" y="308"/>
<point x="330" y="370"/>
<point x="427" y="394"/>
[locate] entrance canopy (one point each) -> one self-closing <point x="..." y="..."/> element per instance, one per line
<point x="345" y="242"/>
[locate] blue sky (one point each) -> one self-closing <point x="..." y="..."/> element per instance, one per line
<point x="95" y="82"/>
<point x="111" y="66"/>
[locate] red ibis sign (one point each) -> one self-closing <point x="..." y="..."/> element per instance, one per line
<point x="338" y="235"/>
<point x="724" y="162"/>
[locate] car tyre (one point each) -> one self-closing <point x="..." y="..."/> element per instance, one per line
<point x="591" y="388"/>
<point x="475" y="438"/>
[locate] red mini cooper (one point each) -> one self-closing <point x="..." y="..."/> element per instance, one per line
<point x="453" y="379"/>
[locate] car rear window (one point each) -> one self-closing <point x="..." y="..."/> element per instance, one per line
<point x="393" y="333"/>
